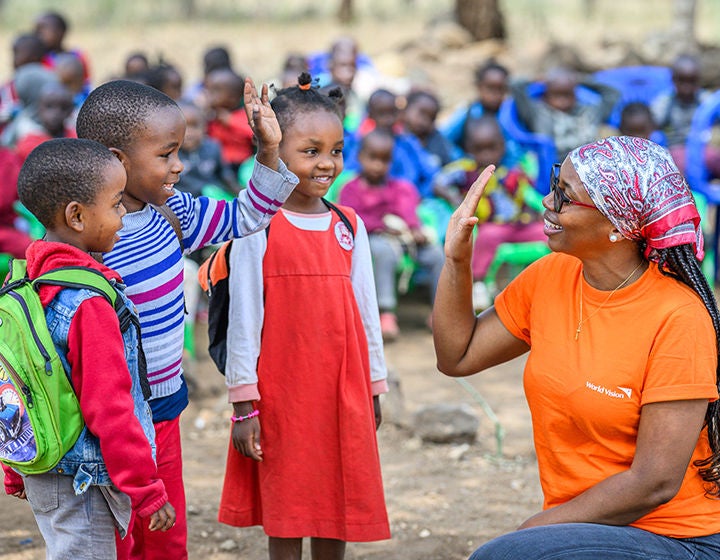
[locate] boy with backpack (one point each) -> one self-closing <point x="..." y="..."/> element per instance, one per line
<point x="75" y="188"/>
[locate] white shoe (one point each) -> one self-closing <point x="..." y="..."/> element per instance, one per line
<point x="481" y="296"/>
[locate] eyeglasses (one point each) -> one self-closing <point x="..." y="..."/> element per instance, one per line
<point x="559" y="196"/>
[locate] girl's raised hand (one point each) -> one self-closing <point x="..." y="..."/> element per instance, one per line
<point x="458" y="238"/>
<point x="261" y="117"/>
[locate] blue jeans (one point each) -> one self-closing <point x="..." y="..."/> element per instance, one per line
<point x="589" y="541"/>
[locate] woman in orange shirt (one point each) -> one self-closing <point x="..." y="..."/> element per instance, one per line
<point x="622" y="373"/>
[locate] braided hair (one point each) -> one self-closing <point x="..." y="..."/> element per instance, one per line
<point x="304" y="98"/>
<point x="680" y="263"/>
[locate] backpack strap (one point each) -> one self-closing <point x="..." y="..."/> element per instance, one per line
<point x="343" y="218"/>
<point x="166" y="212"/>
<point x="330" y="206"/>
<point x="79" y="277"/>
<point x="215" y="268"/>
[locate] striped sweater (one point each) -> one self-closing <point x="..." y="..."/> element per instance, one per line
<point x="148" y="258"/>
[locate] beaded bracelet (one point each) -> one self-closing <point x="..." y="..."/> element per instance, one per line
<point x="253" y="414"/>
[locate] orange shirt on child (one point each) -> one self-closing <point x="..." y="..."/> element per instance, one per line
<point x="652" y="341"/>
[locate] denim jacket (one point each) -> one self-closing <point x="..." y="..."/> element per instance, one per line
<point x="84" y="461"/>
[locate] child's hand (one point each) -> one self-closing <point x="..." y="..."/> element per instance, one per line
<point x="163" y="519"/>
<point x="419" y="237"/>
<point x="261" y="117"/>
<point x="20" y="494"/>
<point x="246" y="438"/>
<point x="458" y="238"/>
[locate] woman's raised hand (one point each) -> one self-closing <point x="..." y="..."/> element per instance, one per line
<point x="458" y="238"/>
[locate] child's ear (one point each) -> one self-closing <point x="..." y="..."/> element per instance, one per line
<point x="74" y="216"/>
<point x="122" y="156"/>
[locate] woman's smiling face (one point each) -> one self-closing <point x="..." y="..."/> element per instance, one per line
<point x="575" y="229"/>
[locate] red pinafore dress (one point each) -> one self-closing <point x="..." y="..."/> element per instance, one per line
<point x="320" y="475"/>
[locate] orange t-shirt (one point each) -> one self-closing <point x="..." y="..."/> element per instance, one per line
<point x="652" y="341"/>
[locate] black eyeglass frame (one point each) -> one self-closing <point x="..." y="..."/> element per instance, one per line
<point x="559" y="196"/>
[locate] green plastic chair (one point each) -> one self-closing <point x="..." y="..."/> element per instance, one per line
<point x="34" y="228"/>
<point x="516" y="256"/>
<point x="4" y="265"/>
<point x="216" y="192"/>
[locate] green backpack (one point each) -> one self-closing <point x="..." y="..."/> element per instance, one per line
<point x="40" y="418"/>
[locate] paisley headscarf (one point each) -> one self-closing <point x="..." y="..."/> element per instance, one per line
<point x="637" y="186"/>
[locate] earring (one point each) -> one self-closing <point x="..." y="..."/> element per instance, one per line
<point x="613" y="238"/>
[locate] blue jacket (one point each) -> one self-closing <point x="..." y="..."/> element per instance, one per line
<point x="84" y="461"/>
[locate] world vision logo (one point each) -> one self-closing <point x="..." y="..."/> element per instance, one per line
<point x="620" y="393"/>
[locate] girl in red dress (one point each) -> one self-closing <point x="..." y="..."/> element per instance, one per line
<point x="305" y="357"/>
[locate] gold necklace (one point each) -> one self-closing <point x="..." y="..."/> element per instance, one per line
<point x="620" y="285"/>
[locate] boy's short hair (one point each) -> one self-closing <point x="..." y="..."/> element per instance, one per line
<point x="377" y="134"/>
<point x="57" y="19"/>
<point x="116" y="111"/>
<point x="60" y="171"/>
<point x="489" y="66"/>
<point x="415" y="96"/>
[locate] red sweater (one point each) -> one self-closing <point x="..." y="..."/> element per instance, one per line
<point x="235" y="137"/>
<point x="98" y="369"/>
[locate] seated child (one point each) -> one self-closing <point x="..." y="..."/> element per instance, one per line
<point x="166" y="78"/>
<point x="214" y="58"/>
<point x="509" y="209"/>
<point x="51" y="27"/>
<point x="228" y="123"/>
<point x="491" y="86"/>
<point x="136" y="63"/>
<point x="75" y="188"/>
<point x="410" y="161"/>
<point x="295" y="64"/>
<point x="30" y="81"/>
<point x="636" y="119"/>
<point x="55" y="107"/>
<point x="205" y="168"/>
<point x="559" y="114"/>
<point x="375" y="195"/>
<point x="382" y="111"/>
<point x="70" y="72"/>
<point x="26" y="49"/>
<point x="674" y="112"/>
<point x="418" y="118"/>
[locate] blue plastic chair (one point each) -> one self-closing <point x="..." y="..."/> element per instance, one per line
<point x="540" y="144"/>
<point x="635" y="84"/>
<point x="697" y="174"/>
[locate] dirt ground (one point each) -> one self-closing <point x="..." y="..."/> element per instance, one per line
<point x="442" y="500"/>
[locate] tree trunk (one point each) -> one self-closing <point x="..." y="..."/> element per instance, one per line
<point x="482" y="18"/>
<point x="682" y="32"/>
<point x="684" y="18"/>
<point x="346" y="13"/>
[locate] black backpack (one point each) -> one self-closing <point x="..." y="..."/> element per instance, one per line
<point x="214" y="275"/>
